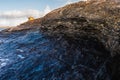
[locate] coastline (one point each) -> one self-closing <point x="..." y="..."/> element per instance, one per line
<point x="2" y="29"/>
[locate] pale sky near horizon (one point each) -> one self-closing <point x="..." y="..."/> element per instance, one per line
<point x="14" y="12"/>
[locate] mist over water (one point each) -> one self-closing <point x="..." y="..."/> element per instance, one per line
<point x="2" y="29"/>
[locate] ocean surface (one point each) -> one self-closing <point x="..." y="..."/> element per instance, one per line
<point x="32" y="55"/>
<point x="2" y="29"/>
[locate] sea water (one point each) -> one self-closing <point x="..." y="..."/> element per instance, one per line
<point x="2" y="29"/>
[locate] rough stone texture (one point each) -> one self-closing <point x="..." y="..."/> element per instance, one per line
<point x="101" y="21"/>
<point x="77" y="42"/>
<point x="30" y="55"/>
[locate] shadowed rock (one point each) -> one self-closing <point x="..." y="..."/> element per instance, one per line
<point x="77" y="42"/>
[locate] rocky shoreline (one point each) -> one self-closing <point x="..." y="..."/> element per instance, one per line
<point x="77" y="42"/>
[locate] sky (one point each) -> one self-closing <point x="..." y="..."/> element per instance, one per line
<point x="15" y="12"/>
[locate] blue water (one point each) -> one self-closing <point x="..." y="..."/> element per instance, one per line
<point x="31" y="55"/>
<point x="2" y="29"/>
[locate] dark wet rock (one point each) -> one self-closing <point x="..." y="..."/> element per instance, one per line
<point x="75" y="42"/>
<point x="49" y="58"/>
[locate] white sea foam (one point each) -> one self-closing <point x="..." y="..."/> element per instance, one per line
<point x="20" y="56"/>
<point x="3" y="62"/>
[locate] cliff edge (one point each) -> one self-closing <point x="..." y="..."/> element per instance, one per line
<point x="99" y="21"/>
<point x="80" y="41"/>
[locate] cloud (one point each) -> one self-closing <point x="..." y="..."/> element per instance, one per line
<point x="16" y="17"/>
<point x="19" y="14"/>
<point x="12" y="22"/>
<point x="68" y="2"/>
<point x="72" y="1"/>
<point x="47" y="10"/>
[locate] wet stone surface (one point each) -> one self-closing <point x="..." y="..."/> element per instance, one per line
<point x="32" y="56"/>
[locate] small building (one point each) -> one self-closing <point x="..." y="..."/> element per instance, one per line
<point x="30" y="18"/>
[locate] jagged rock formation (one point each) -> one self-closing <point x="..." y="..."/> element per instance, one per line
<point x="104" y="0"/>
<point x="77" y="42"/>
<point x="33" y="24"/>
<point x="102" y="20"/>
<point x="94" y="25"/>
<point x="97" y="0"/>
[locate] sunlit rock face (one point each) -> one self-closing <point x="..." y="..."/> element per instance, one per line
<point x="77" y="42"/>
<point x="75" y="19"/>
<point x="97" y="0"/>
<point x="104" y="0"/>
